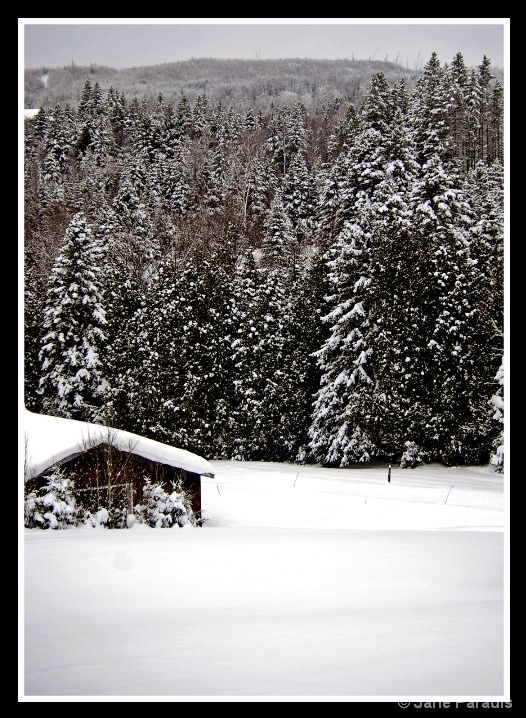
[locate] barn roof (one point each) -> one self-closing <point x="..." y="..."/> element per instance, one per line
<point x="49" y="440"/>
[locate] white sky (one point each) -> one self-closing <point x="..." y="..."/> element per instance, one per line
<point x="304" y="584"/>
<point x="131" y="42"/>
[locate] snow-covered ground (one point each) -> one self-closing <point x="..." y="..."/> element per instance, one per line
<point x="304" y="584"/>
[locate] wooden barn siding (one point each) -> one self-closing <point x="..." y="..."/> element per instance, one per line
<point x="105" y="464"/>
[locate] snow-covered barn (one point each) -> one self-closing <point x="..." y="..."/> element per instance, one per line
<point x="103" y="462"/>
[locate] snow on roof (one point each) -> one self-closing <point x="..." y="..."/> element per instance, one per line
<point x="50" y="439"/>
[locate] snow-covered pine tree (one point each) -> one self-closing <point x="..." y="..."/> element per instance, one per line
<point x="340" y="433"/>
<point x="398" y="268"/>
<point x="261" y="187"/>
<point x="123" y="293"/>
<point x="266" y="372"/>
<point x="133" y="226"/>
<point x="343" y="133"/>
<point x="200" y="113"/>
<point x="168" y="176"/>
<point x="52" y="506"/>
<point x="430" y="113"/>
<point x="58" y="145"/>
<point x="287" y="135"/>
<point x="148" y="376"/>
<point x="214" y="176"/>
<point x="74" y="380"/>
<point x="441" y="222"/>
<point x="306" y="332"/>
<point x="173" y="363"/>
<point x="244" y="339"/>
<point x="213" y="368"/>
<point x="357" y="357"/>
<point x="184" y="120"/>
<point x="484" y="189"/>
<point x="300" y="199"/>
<point x="166" y="509"/>
<point x="497" y="403"/>
<point x="460" y="118"/>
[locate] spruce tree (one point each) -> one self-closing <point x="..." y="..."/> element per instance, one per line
<point x="353" y="413"/>
<point x="430" y="111"/>
<point x="266" y="371"/>
<point x="341" y="430"/>
<point x="74" y="382"/>
<point x="300" y="199"/>
<point x="442" y="221"/>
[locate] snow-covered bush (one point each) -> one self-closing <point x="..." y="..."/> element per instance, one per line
<point x="497" y="401"/>
<point x="302" y="455"/>
<point x="497" y="459"/>
<point x="164" y="510"/>
<point x="52" y="506"/>
<point x="413" y="456"/>
<point x="113" y="518"/>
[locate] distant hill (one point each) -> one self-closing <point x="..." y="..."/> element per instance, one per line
<point x="236" y="83"/>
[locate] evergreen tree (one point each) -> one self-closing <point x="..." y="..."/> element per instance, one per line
<point x="264" y="356"/>
<point x="58" y="146"/>
<point x="74" y="382"/>
<point x="442" y="221"/>
<point x="133" y="229"/>
<point x="300" y="199"/>
<point x="430" y="110"/>
<point x="343" y="133"/>
<point x="497" y="403"/>
<point x="485" y="140"/>
<point x="261" y="187"/>
<point x="287" y="135"/>
<point x="174" y="370"/>
<point x="305" y="334"/>
<point x="52" y="506"/>
<point x="460" y="118"/>
<point x="338" y="435"/>
<point x="485" y="192"/>
<point x="160" y="509"/>
<point x="244" y="339"/>
<point x="199" y="116"/>
<point x="357" y="413"/>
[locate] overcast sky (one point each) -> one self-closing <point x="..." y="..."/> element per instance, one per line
<point x="132" y="42"/>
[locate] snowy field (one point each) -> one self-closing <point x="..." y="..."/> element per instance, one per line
<point x="303" y="584"/>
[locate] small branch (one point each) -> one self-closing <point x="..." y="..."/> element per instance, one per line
<point x="445" y="502"/>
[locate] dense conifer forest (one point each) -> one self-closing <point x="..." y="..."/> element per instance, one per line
<point x="283" y="281"/>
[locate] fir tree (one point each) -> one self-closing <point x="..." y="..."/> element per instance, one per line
<point x="52" y="506"/>
<point x="340" y="432"/>
<point x="442" y="221"/>
<point x="300" y="199"/>
<point x="497" y="404"/>
<point x="430" y="109"/>
<point x="74" y="382"/>
<point x="357" y="410"/>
